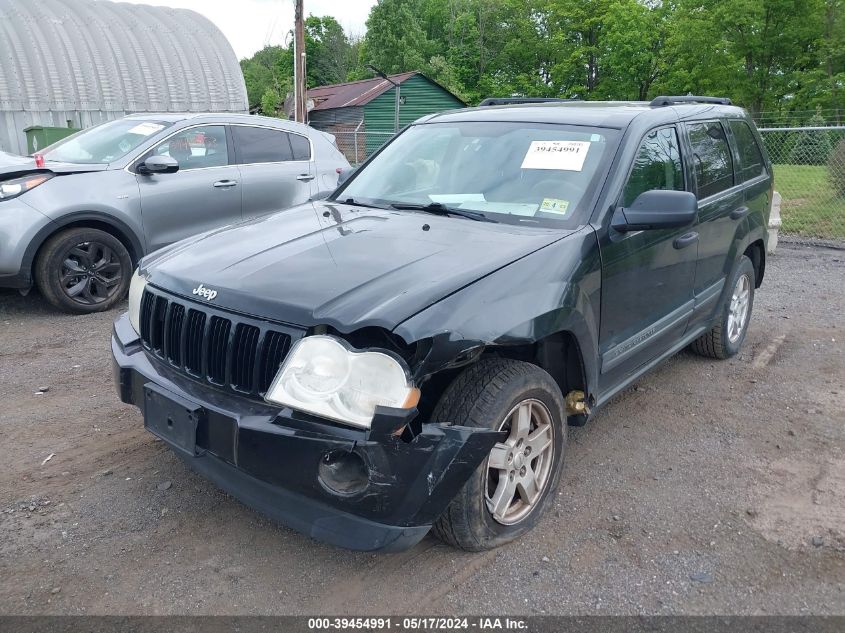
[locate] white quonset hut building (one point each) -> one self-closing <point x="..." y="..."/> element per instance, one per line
<point x="77" y="63"/>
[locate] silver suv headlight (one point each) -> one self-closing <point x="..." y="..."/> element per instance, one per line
<point x="18" y="186"/>
<point x="325" y="376"/>
<point x="136" y="291"/>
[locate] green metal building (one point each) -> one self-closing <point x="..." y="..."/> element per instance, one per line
<point x="361" y="113"/>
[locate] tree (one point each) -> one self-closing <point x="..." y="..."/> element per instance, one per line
<point x="813" y="147"/>
<point x="395" y="40"/>
<point x="755" y="51"/>
<point x="270" y="70"/>
<point x="633" y="49"/>
<point x="328" y="51"/>
<point x="764" y="54"/>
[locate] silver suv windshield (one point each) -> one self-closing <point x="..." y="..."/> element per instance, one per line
<point x="509" y="172"/>
<point x="105" y="143"/>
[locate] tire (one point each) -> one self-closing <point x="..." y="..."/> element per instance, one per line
<point x="83" y="270"/>
<point x="483" y="396"/>
<point x="725" y="339"/>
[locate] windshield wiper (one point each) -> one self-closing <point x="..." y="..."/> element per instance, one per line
<point x="438" y="208"/>
<point x="357" y="203"/>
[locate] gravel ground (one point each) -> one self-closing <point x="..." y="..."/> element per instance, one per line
<point x="707" y="488"/>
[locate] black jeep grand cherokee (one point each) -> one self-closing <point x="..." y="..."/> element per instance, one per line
<point x="407" y="353"/>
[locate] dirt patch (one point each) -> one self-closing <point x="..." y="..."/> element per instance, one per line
<point x="803" y="503"/>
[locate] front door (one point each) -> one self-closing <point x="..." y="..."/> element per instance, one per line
<point x="276" y="168"/>
<point x="647" y="276"/>
<point x="205" y="193"/>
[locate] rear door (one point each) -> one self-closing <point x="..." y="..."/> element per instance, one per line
<point x="647" y="276"/>
<point x="721" y="209"/>
<point x="752" y="169"/>
<point x="275" y="167"/>
<point x="202" y="195"/>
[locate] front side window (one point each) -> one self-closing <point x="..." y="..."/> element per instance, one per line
<point x="657" y="165"/>
<point x="261" y="145"/>
<point x="197" y="147"/>
<point x="105" y="143"/>
<point x="521" y="173"/>
<point x="751" y="162"/>
<point x="711" y="157"/>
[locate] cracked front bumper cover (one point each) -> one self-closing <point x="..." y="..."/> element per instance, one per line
<point x="268" y="457"/>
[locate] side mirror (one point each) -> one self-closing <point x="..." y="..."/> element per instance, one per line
<point x="657" y="209"/>
<point x="345" y="174"/>
<point x="159" y="165"/>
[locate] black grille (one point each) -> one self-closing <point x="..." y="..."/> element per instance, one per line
<point x="225" y="349"/>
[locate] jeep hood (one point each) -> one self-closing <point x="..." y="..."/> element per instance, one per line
<point x="348" y="267"/>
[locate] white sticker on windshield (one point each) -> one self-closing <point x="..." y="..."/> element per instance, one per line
<point x="563" y="155"/>
<point x="145" y="129"/>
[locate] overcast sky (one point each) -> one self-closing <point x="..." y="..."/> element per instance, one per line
<point x="251" y="24"/>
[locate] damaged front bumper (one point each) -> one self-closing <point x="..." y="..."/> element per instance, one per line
<point x="358" y="489"/>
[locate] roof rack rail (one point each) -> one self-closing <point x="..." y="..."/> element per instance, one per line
<point x="666" y="101"/>
<point x="494" y="101"/>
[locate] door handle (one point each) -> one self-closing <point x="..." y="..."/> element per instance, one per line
<point x="739" y="213"/>
<point x="688" y="239"/>
<point x="305" y="177"/>
<point x="225" y="183"/>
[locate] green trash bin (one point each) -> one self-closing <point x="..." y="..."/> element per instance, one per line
<point x="39" y="136"/>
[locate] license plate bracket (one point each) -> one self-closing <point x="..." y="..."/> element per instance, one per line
<point x="172" y="418"/>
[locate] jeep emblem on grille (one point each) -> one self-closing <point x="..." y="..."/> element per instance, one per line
<point x="205" y="293"/>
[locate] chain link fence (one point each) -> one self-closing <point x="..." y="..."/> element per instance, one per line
<point x="359" y="145"/>
<point x="809" y="171"/>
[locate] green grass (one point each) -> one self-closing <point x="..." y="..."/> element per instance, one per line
<point x="810" y="206"/>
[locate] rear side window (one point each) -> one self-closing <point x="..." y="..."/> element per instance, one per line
<point x="751" y="162"/>
<point x="261" y="145"/>
<point x="711" y="158"/>
<point x="301" y="147"/>
<point x="657" y="165"/>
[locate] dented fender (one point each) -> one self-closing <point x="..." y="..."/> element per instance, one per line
<point x="521" y="303"/>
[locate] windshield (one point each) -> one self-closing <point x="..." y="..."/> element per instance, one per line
<point x="528" y="173"/>
<point x="105" y="143"/>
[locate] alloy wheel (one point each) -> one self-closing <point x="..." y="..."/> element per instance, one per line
<point x="520" y="468"/>
<point x="738" y="309"/>
<point x="90" y="273"/>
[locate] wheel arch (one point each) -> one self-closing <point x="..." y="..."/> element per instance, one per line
<point x="560" y="355"/>
<point x="756" y="252"/>
<point x="93" y="220"/>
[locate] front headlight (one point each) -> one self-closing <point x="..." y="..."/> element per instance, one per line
<point x="17" y="186"/>
<point x="323" y="375"/>
<point x="136" y="291"/>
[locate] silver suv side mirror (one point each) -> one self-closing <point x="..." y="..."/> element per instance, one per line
<point x="159" y="165"/>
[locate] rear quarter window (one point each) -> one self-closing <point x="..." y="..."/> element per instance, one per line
<point x="301" y="147"/>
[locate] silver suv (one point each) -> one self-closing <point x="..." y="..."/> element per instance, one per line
<point x="75" y="219"/>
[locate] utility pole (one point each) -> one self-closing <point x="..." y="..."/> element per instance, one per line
<point x="299" y="90"/>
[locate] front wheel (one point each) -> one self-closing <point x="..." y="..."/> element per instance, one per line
<point x="83" y="270"/>
<point x="726" y="337"/>
<point x="509" y="491"/>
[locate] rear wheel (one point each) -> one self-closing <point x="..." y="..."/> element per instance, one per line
<point x="725" y="339"/>
<point x="509" y="491"/>
<point x="83" y="270"/>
